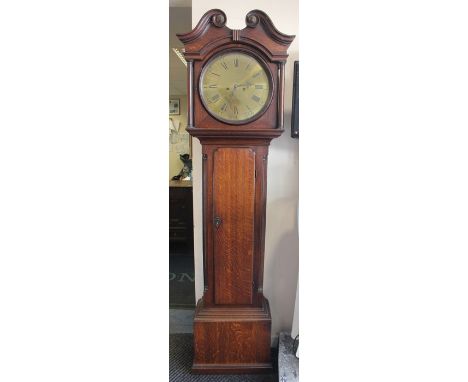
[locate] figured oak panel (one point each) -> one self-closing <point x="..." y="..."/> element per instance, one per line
<point x="234" y="202"/>
<point x="232" y="342"/>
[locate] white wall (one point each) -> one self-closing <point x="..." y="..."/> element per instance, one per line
<point x="281" y="245"/>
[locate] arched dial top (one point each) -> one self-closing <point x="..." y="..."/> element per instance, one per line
<point x="235" y="87"/>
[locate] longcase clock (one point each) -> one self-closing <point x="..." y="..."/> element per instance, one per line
<point x="235" y="108"/>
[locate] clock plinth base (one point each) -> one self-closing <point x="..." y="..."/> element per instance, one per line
<point x="232" y="340"/>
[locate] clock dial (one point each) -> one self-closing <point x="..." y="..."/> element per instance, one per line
<point x="234" y="87"/>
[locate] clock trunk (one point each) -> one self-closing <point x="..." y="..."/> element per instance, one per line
<point x="232" y="327"/>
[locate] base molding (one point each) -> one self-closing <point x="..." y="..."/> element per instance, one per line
<point x="232" y="340"/>
<point x="213" y="368"/>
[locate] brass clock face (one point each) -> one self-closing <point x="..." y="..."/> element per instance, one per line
<point x="235" y="87"/>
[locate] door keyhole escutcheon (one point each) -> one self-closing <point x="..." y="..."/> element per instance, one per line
<point x="217" y="222"/>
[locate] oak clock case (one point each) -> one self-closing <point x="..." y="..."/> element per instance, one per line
<point x="235" y="113"/>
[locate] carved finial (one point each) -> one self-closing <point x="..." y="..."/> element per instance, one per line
<point x="256" y="17"/>
<point x="251" y="20"/>
<point x="214" y="17"/>
<point x="219" y="20"/>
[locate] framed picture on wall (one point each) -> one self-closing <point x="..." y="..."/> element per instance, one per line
<point x="295" y="103"/>
<point x="174" y="107"/>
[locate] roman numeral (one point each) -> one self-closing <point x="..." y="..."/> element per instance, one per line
<point x="224" y="107"/>
<point x="215" y="74"/>
<point x="249" y="110"/>
<point x="215" y="97"/>
<point x="236" y="112"/>
<point x="258" y="86"/>
<point x="236" y="62"/>
<point x="256" y="75"/>
<point x="213" y="86"/>
<point x="255" y="98"/>
<point x="247" y="67"/>
<point x="224" y="65"/>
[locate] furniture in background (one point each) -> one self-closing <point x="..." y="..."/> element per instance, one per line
<point x="180" y="218"/>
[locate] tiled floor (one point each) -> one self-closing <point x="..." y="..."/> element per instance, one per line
<point x="288" y="364"/>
